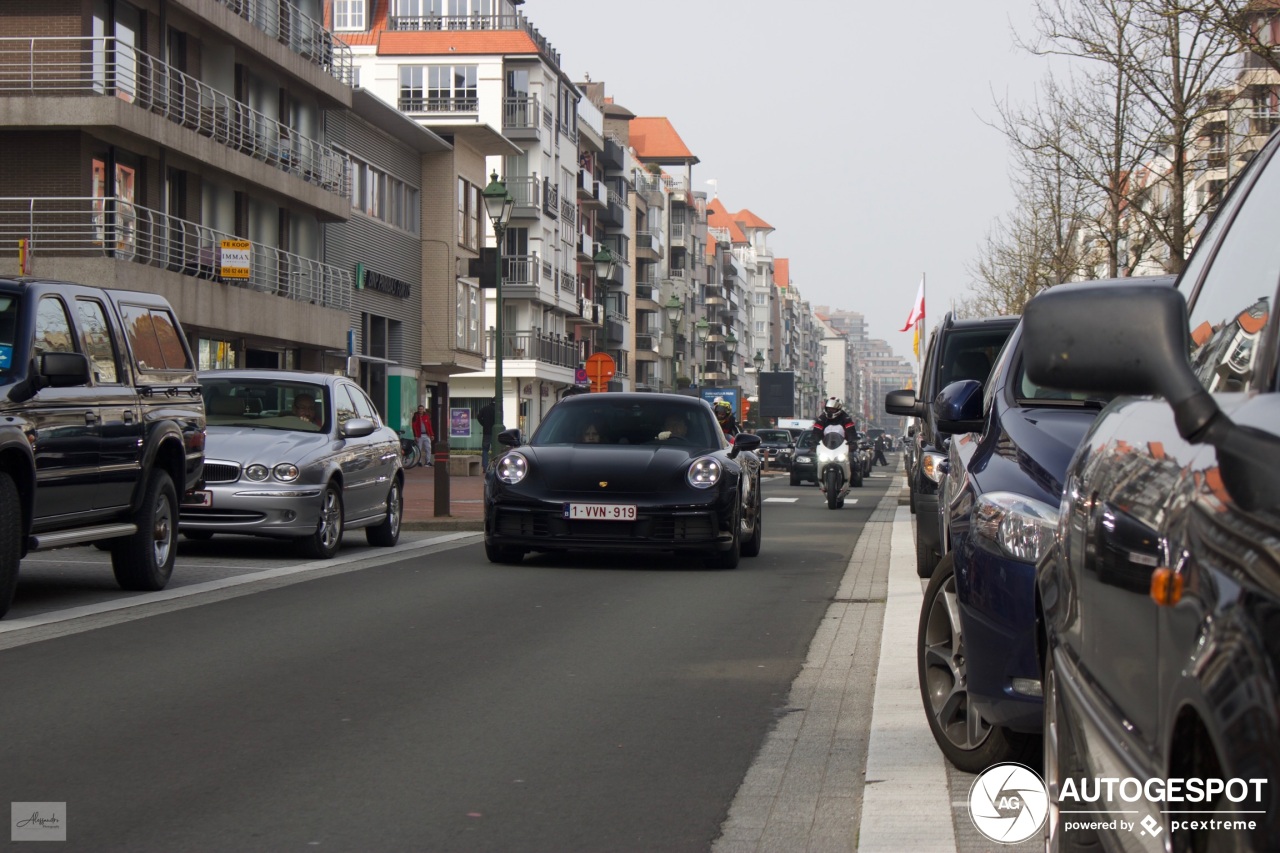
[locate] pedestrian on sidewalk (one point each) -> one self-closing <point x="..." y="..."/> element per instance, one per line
<point x="424" y="434"/>
<point x="485" y="418"/>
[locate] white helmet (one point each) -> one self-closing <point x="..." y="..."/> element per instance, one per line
<point x="833" y="405"/>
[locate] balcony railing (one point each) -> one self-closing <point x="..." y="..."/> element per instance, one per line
<point x="521" y="270"/>
<point x="103" y="67"/>
<point x="524" y="190"/>
<point x="520" y="112"/>
<point x="304" y="35"/>
<point x="63" y="227"/>
<point x="538" y="346"/>
<point x="568" y="282"/>
<point x="476" y="22"/>
<point x="439" y="104"/>
<point x="550" y="198"/>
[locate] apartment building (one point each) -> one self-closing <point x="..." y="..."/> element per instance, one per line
<point x="479" y="73"/>
<point x="181" y="148"/>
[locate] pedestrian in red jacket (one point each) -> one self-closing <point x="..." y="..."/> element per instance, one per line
<point x="423" y="432"/>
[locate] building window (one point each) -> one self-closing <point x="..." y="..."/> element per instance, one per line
<point x="215" y="355"/>
<point x="467" y="330"/>
<point x="348" y="15"/>
<point x="470" y="210"/>
<point x="384" y="197"/>
<point x="452" y="89"/>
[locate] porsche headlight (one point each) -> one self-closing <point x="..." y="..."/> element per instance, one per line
<point x="257" y="472"/>
<point x="512" y="468"/>
<point x="286" y="472"/>
<point x="929" y="466"/>
<point x="704" y="473"/>
<point x="1014" y="526"/>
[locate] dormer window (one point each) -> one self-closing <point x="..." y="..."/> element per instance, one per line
<point x="350" y="15"/>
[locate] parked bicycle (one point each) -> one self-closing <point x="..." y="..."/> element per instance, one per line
<point x="410" y="453"/>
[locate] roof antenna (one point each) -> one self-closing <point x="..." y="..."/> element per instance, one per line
<point x="715" y="187"/>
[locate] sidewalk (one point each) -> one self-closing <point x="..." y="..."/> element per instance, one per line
<point x="465" y="510"/>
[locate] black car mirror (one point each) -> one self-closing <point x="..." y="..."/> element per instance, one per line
<point x="510" y="438"/>
<point x="744" y="441"/>
<point x="63" y="369"/>
<point x="903" y="403"/>
<point x="958" y="407"/>
<point x="1133" y="339"/>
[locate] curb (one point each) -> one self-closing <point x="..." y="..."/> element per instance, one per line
<point x="444" y="523"/>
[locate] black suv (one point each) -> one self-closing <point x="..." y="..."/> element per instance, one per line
<point x="1160" y="594"/>
<point x="101" y="427"/>
<point x="958" y="349"/>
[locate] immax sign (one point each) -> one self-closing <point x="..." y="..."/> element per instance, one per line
<point x="367" y="279"/>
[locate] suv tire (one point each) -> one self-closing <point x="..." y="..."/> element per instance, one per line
<point x="144" y="561"/>
<point x="10" y="540"/>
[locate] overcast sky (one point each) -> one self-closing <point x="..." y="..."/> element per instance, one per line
<point x="855" y="129"/>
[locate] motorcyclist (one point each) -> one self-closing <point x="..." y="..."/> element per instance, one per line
<point x="833" y="413"/>
<point x="724" y="415"/>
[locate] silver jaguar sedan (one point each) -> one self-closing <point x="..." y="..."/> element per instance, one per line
<point x="295" y="455"/>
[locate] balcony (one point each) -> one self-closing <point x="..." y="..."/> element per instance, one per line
<point x="479" y="21"/>
<point x="439" y="105"/>
<point x="585" y="246"/>
<point x="537" y="346"/>
<point x="568" y="282"/>
<point x="590" y="314"/>
<point x="301" y="33"/>
<point x="614" y="156"/>
<point x="103" y="68"/>
<point x="520" y="117"/>
<point x="647" y="297"/>
<point x="614" y="214"/>
<point x="75" y="227"/>
<point x="586" y="185"/>
<point x="652" y="187"/>
<point x="524" y="192"/>
<point x="649" y="245"/>
<point x="568" y="212"/>
<point x="680" y="234"/>
<point x="520" y="271"/>
<point x="550" y="199"/>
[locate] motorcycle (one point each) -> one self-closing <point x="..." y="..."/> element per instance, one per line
<point x="835" y="473"/>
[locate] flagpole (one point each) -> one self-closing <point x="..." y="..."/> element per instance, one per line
<point x="922" y="327"/>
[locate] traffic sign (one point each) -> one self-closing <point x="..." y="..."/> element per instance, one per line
<point x="600" y="369"/>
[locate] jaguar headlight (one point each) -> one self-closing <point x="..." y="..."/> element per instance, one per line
<point x="285" y="472"/>
<point x="512" y="468"/>
<point x="704" y="472"/>
<point x="257" y="472"/>
<point x="1014" y="526"/>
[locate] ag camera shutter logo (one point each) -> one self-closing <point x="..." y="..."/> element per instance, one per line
<point x="1008" y="803"/>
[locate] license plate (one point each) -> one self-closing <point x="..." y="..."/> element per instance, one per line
<point x="600" y="512"/>
<point x="197" y="499"/>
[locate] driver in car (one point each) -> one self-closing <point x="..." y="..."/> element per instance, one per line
<point x="674" y="426"/>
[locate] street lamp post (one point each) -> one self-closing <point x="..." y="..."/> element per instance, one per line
<point x="498" y="203"/>
<point x="702" y="331"/>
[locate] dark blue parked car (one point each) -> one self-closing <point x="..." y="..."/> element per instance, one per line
<point x="978" y="660"/>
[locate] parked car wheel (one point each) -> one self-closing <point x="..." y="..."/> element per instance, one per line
<point x="968" y="742"/>
<point x="387" y="534"/>
<point x="144" y="561"/>
<point x="10" y="541"/>
<point x="1061" y="762"/>
<point x="926" y="560"/>
<point x="324" y="542"/>
<point x="751" y="547"/>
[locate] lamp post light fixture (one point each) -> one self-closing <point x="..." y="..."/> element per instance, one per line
<point x="674" y="310"/>
<point x="702" y="329"/>
<point x="604" y="262"/>
<point x="731" y="344"/>
<point x="498" y="203"/>
<point x="758" y="359"/>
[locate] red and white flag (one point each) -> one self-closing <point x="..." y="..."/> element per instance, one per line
<point x="917" y="310"/>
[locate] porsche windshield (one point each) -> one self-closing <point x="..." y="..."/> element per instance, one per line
<point x="616" y="422"/>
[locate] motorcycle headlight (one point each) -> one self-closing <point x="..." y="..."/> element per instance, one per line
<point x="512" y="468"/>
<point x="1014" y="526"/>
<point x="257" y="472"/>
<point x="704" y="473"/>
<point x="285" y="472"/>
<point x="929" y="466"/>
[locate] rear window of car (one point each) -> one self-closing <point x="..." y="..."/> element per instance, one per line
<point x="970" y="355"/>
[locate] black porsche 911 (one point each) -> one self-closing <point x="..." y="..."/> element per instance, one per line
<point x="625" y="472"/>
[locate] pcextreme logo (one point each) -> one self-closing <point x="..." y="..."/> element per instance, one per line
<point x="1008" y="803"/>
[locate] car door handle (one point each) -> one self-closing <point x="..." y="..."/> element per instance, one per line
<point x="128" y="416"/>
<point x="90" y="418"/>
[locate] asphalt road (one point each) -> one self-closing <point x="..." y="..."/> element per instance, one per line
<point x="423" y="699"/>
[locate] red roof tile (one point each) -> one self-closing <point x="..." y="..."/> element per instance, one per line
<point x="455" y="43"/>
<point x="747" y="219"/>
<point x="782" y="272"/>
<point x="718" y="217"/>
<point x="654" y="138"/>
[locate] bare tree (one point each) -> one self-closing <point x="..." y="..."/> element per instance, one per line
<point x="1246" y="22"/>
